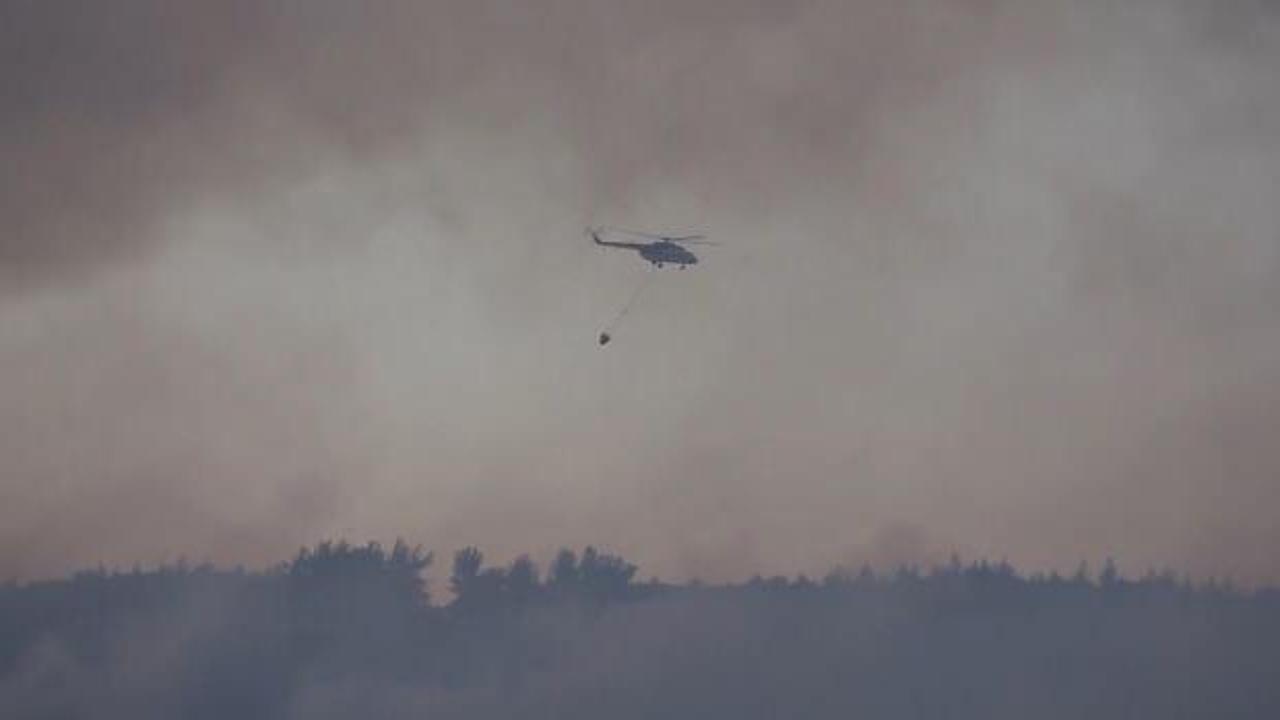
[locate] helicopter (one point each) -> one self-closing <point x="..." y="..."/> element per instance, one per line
<point x="660" y="250"/>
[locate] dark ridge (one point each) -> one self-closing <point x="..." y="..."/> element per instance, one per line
<point x="344" y="629"/>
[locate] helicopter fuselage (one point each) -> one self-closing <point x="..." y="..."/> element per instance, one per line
<point x="663" y="252"/>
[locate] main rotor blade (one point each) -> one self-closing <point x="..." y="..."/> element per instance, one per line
<point x="637" y="233"/>
<point x="651" y="236"/>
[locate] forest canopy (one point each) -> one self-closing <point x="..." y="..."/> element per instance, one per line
<point x="342" y="628"/>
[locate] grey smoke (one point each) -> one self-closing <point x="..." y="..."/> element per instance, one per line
<point x="998" y="277"/>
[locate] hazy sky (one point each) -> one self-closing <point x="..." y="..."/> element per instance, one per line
<point x="999" y="278"/>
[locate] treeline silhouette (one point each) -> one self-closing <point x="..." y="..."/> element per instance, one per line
<point x="343" y="630"/>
